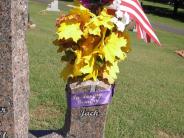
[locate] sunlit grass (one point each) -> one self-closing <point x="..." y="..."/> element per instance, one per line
<point x="149" y="93"/>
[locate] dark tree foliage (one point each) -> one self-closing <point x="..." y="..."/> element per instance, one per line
<point x="176" y="5"/>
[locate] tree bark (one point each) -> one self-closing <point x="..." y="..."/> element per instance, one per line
<point x="176" y="4"/>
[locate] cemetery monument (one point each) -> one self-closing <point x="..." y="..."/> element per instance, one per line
<point x="53" y="6"/>
<point x="14" y="86"/>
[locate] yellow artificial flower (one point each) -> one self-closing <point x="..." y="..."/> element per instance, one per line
<point x="67" y="31"/>
<point x="126" y="35"/>
<point x="84" y="13"/>
<point x="79" y="63"/>
<point x="89" y="44"/>
<point x="89" y="63"/>
<point x="95" y="24"/>
<point x="92" y="45"/>
<point x="105" y="19"/>
<point x="67" y="71"/>
<point x="127" y="49"/>
<point x="110" y="72"/>
<point x="112" y="48"/>
<point x="92" y="75"/>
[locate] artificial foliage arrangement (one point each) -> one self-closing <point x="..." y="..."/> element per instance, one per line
<point x="93" y="38"/>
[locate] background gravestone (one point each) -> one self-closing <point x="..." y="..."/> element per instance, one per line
<point x="53" y="6"/>
<point x="14" y="85"/>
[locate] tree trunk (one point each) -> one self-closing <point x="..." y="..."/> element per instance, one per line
<point x="176" y="4"/>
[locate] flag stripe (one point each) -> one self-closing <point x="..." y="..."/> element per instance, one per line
<point x="141" y="23"/>
<point x="136" y="6"/>
<point x="138" y="10"/>
<point x="144" y="28"/>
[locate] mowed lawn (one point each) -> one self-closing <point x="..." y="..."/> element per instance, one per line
<point x="149" y="98"/>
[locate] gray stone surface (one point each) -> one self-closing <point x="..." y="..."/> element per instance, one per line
<point x="14" y="86"/>
<point x="31" y="136"/>
<point x="53" y="135"/>
<point x="77" y="126"/>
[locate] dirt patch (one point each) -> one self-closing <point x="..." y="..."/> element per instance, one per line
<point x="162" y="134"/>
<point x="47" y="111"/>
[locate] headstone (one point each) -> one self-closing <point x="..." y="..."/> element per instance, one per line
<point x="81" y="119"/>
<point x="87" y="121"/>
<point x="53" y="6"/>
<point x="14" y="86"/>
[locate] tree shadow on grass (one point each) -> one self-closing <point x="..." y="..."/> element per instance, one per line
<point x="164" y="12"/>
<point x="61" y="132"/>
<point x="42" y="133"/>
<point x="159" y="1"/>
<point x="67" y="0"/>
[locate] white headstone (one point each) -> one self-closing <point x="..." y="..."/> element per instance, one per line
<point x="53" y="6"/>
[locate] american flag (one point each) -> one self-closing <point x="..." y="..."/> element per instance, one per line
<point x="143" y="26"/>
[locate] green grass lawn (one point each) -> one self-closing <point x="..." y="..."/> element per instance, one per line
<point x="149" y="97"/>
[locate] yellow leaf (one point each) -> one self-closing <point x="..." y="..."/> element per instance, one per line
<point x="79" y="63"/>
<point x="105" y="19"/>
<point x="66" y="31"/>
<point x="92" y="29"/>
<point x="95" y="24"/>
<point x="93" y="75"/>
<point x="67" y="71"/>
<point x="83" y="12"/>
<point x="88" y="68"/>
<point x="127" y="48"/>
<point x="88" y="45"/>
<point x="112" y="48"/>
<point x="110" y="72"/>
